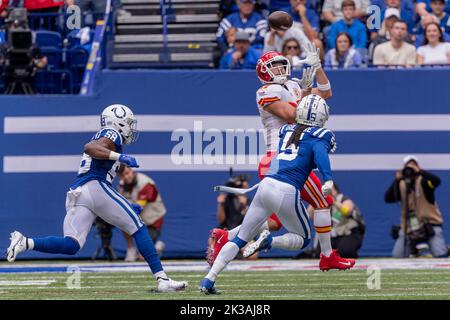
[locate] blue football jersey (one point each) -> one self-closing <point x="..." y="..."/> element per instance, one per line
<point x="94" y="169"/>
<point x="293" y="165"/>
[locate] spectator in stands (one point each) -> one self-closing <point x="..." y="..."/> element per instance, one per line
<point x="438" y="10"/>
<point x="332" y="10"/>
<point x="245" y="20"/>
<point x="348" y="225"/>
<point x="275" y="38"/>
<point x="424" y="22"/>
<point x="96" y="8"/>
<point x="415" y="189"/>
<point x="423" y="7"/>
<point x="434" y="49"/>
<point x="230" y="35"/>
<point x="242" y="56"/>
<point x="405" y="9"/>
<point x="397" y="51"/>
<point x="141" y="189"/>
<point x="383" y="35"/>
<point x="306" y="19"/>
<point x="355" y="28"/>
<point x="343" y="55"/>
<point x="292" y="51"/>
<point x="44" y="7"/>
<point x="299" y="8"/>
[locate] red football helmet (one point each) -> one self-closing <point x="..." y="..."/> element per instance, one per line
<point x="273" y="67"/>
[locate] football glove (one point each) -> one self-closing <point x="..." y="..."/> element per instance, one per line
<point x="312" y="56"/>
<point x="137" y="208"/>
<point x="307" y="79"/>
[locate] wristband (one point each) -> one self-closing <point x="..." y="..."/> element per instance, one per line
<point x="324" y="87"/>
<point x="114" y="156"/>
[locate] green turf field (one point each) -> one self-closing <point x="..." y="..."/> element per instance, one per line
<point x="242" y="285"/>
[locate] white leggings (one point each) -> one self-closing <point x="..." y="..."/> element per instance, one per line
<point x="277" y="197"/>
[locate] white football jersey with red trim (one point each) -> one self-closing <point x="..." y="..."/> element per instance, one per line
<point x="288" y="92"/>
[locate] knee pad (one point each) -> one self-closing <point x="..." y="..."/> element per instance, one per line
<point x="239" y="242"/>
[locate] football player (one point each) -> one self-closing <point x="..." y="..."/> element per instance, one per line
<point x="92" y="195"/>
<point x="302" y="147"/>
<point x="277" y="100"/>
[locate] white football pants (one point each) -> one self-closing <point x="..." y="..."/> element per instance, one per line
<point x="277" y="197"/>
<point x="96" y="198"/>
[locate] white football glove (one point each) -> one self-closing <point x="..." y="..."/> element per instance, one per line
<point x="307" y="79"/>
<point x="327" y="187"/>
<point x="312" y="56"/>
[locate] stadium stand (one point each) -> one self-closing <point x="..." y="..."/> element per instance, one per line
<point x="166" y="33"/>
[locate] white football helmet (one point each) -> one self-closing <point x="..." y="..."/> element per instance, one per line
<point x="313" y="111"/>
<point x="120" y="118"/>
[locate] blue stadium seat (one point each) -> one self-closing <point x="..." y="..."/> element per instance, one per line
<point x="48" y="39"/>
<point x="54" y="56"/>
<point x="54" y="82"/>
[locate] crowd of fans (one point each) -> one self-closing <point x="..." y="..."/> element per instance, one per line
<point x="350" y="33"/>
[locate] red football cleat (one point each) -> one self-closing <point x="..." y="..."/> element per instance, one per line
<point x="334" y="261"/>
<point x="217" y="239"/>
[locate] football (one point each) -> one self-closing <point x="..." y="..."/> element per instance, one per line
<point x="280" y="20"/>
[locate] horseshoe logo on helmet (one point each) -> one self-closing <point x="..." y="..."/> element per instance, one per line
<point x="118" y="114"/>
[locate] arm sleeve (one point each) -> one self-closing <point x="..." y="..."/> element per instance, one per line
<point x="322" y="160"/>
<point x="261" y="30"/>
<point x="393" y="193"/>
<point x="221" y="31"/>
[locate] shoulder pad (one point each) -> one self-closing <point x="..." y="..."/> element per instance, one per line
<point x="268" y="94"/>
<point x="326" y="135"/>
<point x="111" y="134"/>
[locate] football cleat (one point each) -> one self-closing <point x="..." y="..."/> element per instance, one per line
<point x="264" y="242"/>
<point x="207" y="287"/>
<point x="18" y="245"/>
<point x="217" y="239"/>
<point x="169" y="285"/>
<point x="334" y="261"/>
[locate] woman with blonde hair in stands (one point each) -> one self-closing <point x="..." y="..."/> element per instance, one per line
<point x="434" y="49"/>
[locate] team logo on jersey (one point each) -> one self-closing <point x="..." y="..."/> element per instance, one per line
<point x="119" y="114"/>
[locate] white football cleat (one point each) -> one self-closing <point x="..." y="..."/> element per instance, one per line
<point x="169" y="285"/>
<point x="18" y="245"/>
<point x="264" y="242"/>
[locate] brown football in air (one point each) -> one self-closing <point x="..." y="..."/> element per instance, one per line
<point x="280" y="20"/>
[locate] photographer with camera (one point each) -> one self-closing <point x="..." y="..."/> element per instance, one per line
<point x="231" y="208"/>
<point x="420" y="215"/>
<point x="21" y="58"/>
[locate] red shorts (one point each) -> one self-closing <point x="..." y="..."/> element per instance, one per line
<point x="311" y="191"/>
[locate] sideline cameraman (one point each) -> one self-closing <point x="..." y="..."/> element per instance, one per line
<point x="20" y="56"/>
<point x="420" y="214"/>
<point x="231" y="208"/>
